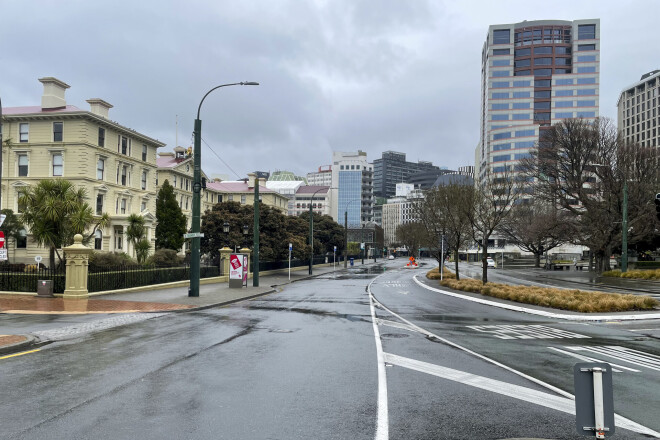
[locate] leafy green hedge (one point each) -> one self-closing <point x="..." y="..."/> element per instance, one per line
<point x="647" y="264"/>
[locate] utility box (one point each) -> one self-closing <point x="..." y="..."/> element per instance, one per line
<point x="45" y="288"/>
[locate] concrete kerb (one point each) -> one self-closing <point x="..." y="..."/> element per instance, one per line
<point x="545" y="313"/>
<point x="18" y="346"/>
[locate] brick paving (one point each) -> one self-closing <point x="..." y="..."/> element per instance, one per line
<point x="36" y="305"/>
<point x="11" y="339"/>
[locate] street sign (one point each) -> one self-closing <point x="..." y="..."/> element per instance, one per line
<point x="37" y="259"/>
<point x="361" y="245"/>
<point x="290" y="247"/>
<point x="2" y="219"/>
<point x="594" y="399"/>
<point x="335" y="248"/>
<point x="2" y="239"/>
<point x="193" y="235"/>
<point x="3" y="254"/>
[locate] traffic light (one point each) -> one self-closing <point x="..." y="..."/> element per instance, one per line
<point x="657" y="205"/>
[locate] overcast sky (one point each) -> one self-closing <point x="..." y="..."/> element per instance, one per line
<point x="336" y="75"/>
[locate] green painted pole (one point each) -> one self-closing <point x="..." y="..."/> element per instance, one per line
<point x="345" y="239"/>
<point x="196" y="242"/>
<point x="311" y="235"/>
<point x="624" y="232"/>
<point x="255" y="251"/>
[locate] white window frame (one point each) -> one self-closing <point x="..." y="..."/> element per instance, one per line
<point x="143" y="182"/>
<point x="62" y="125"/>
<point x="96" y="203"/>
<point x="25" y="125"/>
<point x="100" y="160"/>
<point x="53" y="155"/>
<point x="122" y="205"/>
<point x="18" y="164"/>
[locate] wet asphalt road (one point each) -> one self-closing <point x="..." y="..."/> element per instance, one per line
<point x="303" y="363"/>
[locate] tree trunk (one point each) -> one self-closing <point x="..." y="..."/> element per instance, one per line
<point x="456" y="264"/>
<point x="537" y="259"/>
<point x="484" y="261"/>
<point x="591" y="260"/>
<point x="51" y="256"/>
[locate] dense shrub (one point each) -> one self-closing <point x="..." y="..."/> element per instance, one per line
<point x="165" y="258"/>
<point x="634" y="274"/>
<point x="107" y="259"/>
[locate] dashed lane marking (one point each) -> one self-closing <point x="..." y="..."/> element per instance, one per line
<point x="526" y="332"/>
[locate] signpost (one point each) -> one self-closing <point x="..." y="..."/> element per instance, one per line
<point x="290" y="249"/>
<point x="3" y="254"/>
<point x="2" y="219"/>
<point x="236" y="270"/>
<point x="2" y="239"/>
<point x="38" y="259"/>
<point x="193" y="235"/>
<point x="594" y="399"/>
<point x="334" y="255"/>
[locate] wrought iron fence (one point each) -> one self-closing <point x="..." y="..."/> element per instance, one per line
<point x="24" y="278"/>
<point x="124" y="277"/>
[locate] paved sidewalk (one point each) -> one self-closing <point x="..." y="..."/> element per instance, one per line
<point x="151" y="301"/>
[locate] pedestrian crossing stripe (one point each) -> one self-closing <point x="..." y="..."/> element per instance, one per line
<point x="634" y="357"/>
<point x="526" y="332"/>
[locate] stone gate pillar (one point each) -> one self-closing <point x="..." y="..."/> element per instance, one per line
<point x="77" y="264"/>
<point x="224" y="261"/>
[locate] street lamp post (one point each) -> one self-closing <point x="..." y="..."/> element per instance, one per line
<point x="246" y="230"/>
<point x="311" y="228"/>
<point x="225" y="229"/>
<point x="624" y="232"/>
<point x="197" y="188"/>
<point x="255" y="250"/>
<point x="362" y="246"/>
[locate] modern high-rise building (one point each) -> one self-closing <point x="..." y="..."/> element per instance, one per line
<point x="352" y="176"/>
<point x="322" y="177"/>
<point x="534" y="74"/>
<point x="392" y="168"/>
<point x="639" y="111"/>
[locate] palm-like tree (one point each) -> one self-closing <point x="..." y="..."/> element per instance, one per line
<point x="55" y="211"/>
<point x="135" y="232"/>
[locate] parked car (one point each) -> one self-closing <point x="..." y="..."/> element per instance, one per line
<point x="490" y="262"/>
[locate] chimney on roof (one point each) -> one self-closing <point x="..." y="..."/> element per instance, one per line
<point x="250" y="180"/>
<point x="99" y="107"/>
<point x="53" y="97"/>
<point x="180" y="152"/>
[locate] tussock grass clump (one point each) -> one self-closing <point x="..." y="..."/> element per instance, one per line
<point x="575" y="300"/>
<point x="434" y="274"/>
<point x="634" y="274"/>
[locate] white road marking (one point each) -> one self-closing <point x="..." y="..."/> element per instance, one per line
<point x="615" y="367"/>
<point x="526" y="332"/>
<point x="382" y="421"/>
<point x="563" y="404"/>
<point x="629" y="355"/>
<point x="580" y="317"/>
<point x="395" y="324"/>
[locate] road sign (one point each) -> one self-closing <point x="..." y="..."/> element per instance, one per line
<point x="594" y="399"/>
<point x="193" y="235"/>
<point x="290" y="247"/>
<point x="37" y="259"/>
<point x="3" y="254"/>
<point x="335" y="248"/>
<point x="2" y="239"/>
<point x="2" y="219"/>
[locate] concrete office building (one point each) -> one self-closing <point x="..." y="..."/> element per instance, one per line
<point x="352" y="175"/>
<point x="322" y="177"/>
<point x="392" y="168"/>
<point x="638" y="116"/>
<point x="534" y="74"/>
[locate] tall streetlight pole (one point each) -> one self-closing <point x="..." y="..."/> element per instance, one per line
<point x="311" y="227"/>
<point x="346" y="232"/>
<point x="255" y="239"/>
<point x="197" y="188"/>
<point x="624" y="232"/>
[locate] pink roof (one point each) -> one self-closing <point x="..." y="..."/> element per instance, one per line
<point x="235" y="186"/>
<point x="311" y="189"/>
<point x="169" y="161"/>
<point x="37" y="109"/>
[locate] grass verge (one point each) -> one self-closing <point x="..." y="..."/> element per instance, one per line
<point x="575" y="300"/>
<point x="634" y="274"/>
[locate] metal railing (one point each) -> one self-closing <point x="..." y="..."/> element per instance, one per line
<point x="24" y="278"/>
<point x="124" y="277"/>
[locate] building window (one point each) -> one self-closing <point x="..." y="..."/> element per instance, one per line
<point x="143" y="206"/>
<point x="99" y="204"/>
<point x="186" y="202"/>
<point x="586" y="69"/>
<point x="21" y="241"/>
<point x="501" y="36"/>
<point x="101" y="137"/>
<point x="57" y="131"/>
<point x="119" y="237"/>
<point x="230" y="198"/>
<point x="24" y="131"/>
<point x="144" y="180"/>
<point x="124" y="175"/>
<point x="100" y="169"/>
<point x="122" y="206"/>
<point x="586" y="32"/>
<point x="58" y="164"/>
<point x="175" y="181"/>
<point x="98" y="240"/>
<point x="501" y="52"/>
<point x="243" y="199"/>
<point x="187" y="183"/>
<point x="124" y="145"/>
<point x="22" y="165"/>
<point x="144" y="153"/>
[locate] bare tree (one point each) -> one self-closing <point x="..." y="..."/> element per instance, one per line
<point x="411" y="235"/>
<point x="536" y="227"/>
<point x="582" y="168"/>
<point x="487" y="205"/>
